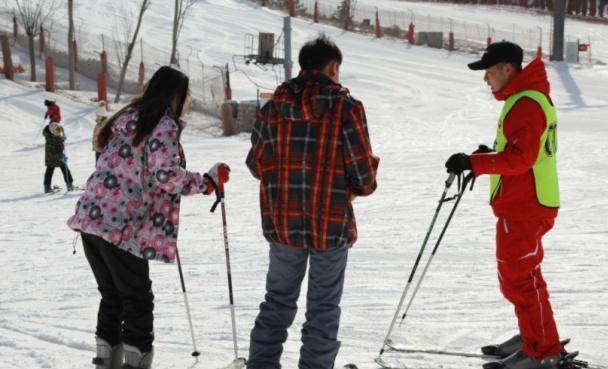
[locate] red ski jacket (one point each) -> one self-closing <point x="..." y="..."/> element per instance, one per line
<point x="53" y="113"/>
<point x="523" y="127"/>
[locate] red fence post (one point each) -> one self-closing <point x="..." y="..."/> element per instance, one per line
<point x="102" y="92"/>
<point x="378" y="26"/>
<point x="6" y="56"/>
<point x="50" y="74"/>
<point x="315" y="15"/>
<point x="410" y="33"/>
<point x="141" y="76"/>
<point x="292" y="8"/>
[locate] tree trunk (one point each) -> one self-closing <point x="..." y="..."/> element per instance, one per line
<point x="71" y="59"/>
<point x="174" y="35"/>
<point x="30" y="38"/>
<point x="125" y="65"/>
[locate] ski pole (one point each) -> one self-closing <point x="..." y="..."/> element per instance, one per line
<point x="219" y="192"/>
<point x="448" y="183"/>
<point x="195" y="353"/>
<point x="465" y="182"/>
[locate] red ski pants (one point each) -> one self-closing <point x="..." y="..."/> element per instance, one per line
<point x="519" y="253"/>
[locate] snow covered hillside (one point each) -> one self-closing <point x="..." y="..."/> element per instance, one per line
<point x="422" y="105"/>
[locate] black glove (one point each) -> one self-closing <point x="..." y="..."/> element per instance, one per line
<point x="483" y="149"/>
<point x="458" y="163"/>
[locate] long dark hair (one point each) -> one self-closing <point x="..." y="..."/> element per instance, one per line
<point x="167" y="87"/>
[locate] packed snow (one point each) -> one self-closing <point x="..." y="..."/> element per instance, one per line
<point x="422" y="105"/>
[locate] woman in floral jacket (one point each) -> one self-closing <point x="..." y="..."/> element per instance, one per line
<point x="129" y="213"/>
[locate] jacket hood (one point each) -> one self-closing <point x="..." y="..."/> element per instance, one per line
<point x="297" y="84"/>
<point x="532" y="77"/>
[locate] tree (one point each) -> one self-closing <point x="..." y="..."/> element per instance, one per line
<point x="181" y="9"/>
<point x="125" y="51"/>
<point x="32" y="16"/>
<point x="71" y="58"/>
<point x="346" y="12"/>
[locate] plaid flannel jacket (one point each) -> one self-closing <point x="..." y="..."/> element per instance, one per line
<point x="311" y="152"/>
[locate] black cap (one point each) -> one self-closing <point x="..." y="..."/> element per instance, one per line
<point x="499" y="52"/>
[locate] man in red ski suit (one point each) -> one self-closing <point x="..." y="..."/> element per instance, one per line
<point x="524" y="198"/>
<point x="52" y="111"/>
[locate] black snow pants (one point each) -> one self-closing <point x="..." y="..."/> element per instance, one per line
<point x="126" y="307"/>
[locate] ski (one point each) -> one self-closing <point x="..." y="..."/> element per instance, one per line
<point x="495" y="350"/>
<point x="54" y="190"/>
<point x="393" y="347"/>
<point x="566" y="362"/>
<point x="389" y="363"/>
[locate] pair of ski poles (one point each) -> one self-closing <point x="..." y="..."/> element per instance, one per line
<point x="219" y="192"/>
<point x="462" y="186"/>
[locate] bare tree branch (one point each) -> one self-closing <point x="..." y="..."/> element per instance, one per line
<point x="180" y="12"/>
<point x="145" y="4"/>
<point x="32" y="15"/>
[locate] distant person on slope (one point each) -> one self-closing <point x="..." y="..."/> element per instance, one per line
<point x="311" y="152"/>
<point x="129" y="213"/>
<point x="524" y="195"/>
<point x="54" y="148"/>
<point x="53" y="113"/>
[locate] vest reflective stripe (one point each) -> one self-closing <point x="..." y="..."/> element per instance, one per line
<point x="545" y="167"/>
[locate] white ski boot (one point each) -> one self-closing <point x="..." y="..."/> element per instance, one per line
<point x="134" y="359"/>
<point x="108" y="357"/>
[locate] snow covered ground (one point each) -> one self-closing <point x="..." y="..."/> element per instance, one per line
<point x="422" y="105"/>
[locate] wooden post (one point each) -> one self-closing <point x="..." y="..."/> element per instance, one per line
<point x="141" y="76"/>
<point x="75" y="50"/>
<point x="6" y="56"/>
<point x="315" y="15"/>
<point x="41" y="41"/>
<point x="104" y="62"/>
<point x="15" y="28"/>
<point x="592" y="8"/>
<point x="50" y="74"/>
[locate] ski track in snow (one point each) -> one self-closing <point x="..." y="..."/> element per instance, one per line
<point x="422" y="105"/>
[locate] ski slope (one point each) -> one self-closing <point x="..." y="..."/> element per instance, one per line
<point x="422" y="105"/>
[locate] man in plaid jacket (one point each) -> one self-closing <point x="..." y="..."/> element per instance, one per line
<point x="311" y="152"/>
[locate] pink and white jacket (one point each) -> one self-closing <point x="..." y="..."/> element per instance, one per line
<point x="132" y="199"/>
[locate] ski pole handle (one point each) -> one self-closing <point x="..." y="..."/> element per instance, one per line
<point x="450" y="180"/>
<point x="219" y="192"/>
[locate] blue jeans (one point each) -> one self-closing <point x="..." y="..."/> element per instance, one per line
<point x="320" y="331"/>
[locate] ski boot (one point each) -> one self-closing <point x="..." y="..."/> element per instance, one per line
<point x="48" y="189"/>
<point x="134" y="359"/>
<point x="519" y="360"/>
<point x="70" y="186"/>
<point x="108" y="357"/>
<point x="504" y="349"/>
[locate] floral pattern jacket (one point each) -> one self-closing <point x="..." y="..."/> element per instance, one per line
<point x="132" y="199"/>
